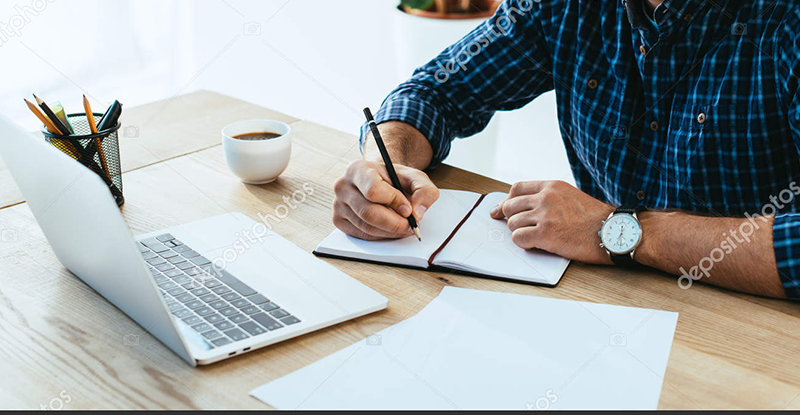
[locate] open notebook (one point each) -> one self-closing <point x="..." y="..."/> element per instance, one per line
<point x="457" y="234"/>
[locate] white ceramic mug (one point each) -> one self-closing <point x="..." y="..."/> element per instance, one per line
<point x="257" y="161"/>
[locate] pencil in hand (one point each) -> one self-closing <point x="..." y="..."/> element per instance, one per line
<point x="390" y="167"/>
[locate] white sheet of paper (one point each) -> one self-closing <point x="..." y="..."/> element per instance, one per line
<point x="436" y="226"/>
<point x="473" y="349"/>
<point x="484" y="245"/>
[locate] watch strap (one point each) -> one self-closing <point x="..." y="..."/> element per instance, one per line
<point x="626" y="260"/>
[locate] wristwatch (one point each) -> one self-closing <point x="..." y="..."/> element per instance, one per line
<point x="621" y="234"/>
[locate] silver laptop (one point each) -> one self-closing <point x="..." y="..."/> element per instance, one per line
<point x="208" y="290"/>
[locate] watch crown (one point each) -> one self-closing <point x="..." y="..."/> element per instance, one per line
<point x="602" y="245"/>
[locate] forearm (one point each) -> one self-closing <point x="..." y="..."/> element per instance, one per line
<point x="405" y="144"/>
<point x="735" y="253"/>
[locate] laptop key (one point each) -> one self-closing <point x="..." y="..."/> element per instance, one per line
<point x="201" y="327"/>
<point x="209" y="298"/>
<point x="182" y="313"/>
<point x="181" y="249"/>
<point x="269" y="306"/>
<point x="195" y="304"/>
<point x="252" y="328"/>
<point x="239" y="318"/>
<point x="200" y="291"/>
<point x="200" y="260"/>
<point x="169" y="254"/>
<point x="143" y="248"/>
<point x="204" y="311"/>
<point x="251" y="309"/>
<point x="221" y="342"/>
<point x="279" y="313"/>
<point x="174" y="306"/>
<point x="220" y="290"/>
<point x="164" y="267"/>
<point x="192" y="271"/>
<point x="266" y="321"/>
<point x="240" y="303"/>
<point x="160" y="279"/>
<point x="218" y="305"/>
<point x="185" y="297"/>
<point x="154" y="271"/>
<point x="155" y="261"/>
<point x="189" y="253"/>
<point x="149" y="255"/>
<point x="176" y="260"/>
<point x="224" y="325"/>
<point x="213" y="283"/>
<point x="173" y="273"/>
<point x="230" y="296"/>
<point x="192" y="320"/>
<point x="228" y="311"/>
<point x="158" y="248"/>
<point x="150" y="241"/>
<point x="212" y="334"/>
<point x="165" y="237"/>
<point x="176" y="242"/>
<point x="176" y="291"/>
<point x="258" y="299"/>
<point x="214" y="318"/>
<point x="185" y="265"/>
<point x="236" y="334"/>
<point x="168" y="285"/>
<point x="181" y="279"/>
<point x="290" y="320"/>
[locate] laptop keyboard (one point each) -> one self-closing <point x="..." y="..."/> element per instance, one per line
<point x="213" y="302"/>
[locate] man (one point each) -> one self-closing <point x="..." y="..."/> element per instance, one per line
<point x="687" y="107"/>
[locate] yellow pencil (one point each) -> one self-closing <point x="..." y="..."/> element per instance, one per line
<point x="93" y="127"/>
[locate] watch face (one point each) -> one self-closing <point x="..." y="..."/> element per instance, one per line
<point x="621" y="233"/>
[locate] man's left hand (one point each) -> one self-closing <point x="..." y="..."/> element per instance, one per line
<point x="556" y="217"/>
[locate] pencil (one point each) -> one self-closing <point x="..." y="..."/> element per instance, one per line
<point x="66" y="148"/>
<point x="43" y="118"/>
<point x="50" y="114"/>
<point x="97" y="142"/>
<point x="389" y="166"/>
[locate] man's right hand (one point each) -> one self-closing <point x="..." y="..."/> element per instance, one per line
<point x="367" y="206"/>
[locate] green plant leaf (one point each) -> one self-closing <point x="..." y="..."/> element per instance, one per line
<point x="417" y="4"/>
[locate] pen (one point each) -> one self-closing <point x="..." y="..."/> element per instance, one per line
<point x="389" y="166"/>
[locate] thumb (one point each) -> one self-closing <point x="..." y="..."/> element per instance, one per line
<point x="423" y="192"/>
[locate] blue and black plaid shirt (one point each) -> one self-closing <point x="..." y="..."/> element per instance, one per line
<point x="694" y="108"/>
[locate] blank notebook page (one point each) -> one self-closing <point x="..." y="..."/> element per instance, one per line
<point x="484" y="245"/>
<point x="435" y="227"/>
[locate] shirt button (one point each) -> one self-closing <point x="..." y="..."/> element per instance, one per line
<point x="643" y="50"/>
<point x="687" y="17"/>
<point x="592" y="84"/>
<point x="654" y="126"/>
<point x="701" y="118"/>
<point x="640" y="195"/>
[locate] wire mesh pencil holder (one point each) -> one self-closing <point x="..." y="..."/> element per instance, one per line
<point x="99" y="152"/>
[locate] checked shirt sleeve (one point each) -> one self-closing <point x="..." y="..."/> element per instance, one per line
<point x="786" y="227"/>
<point x="501" y="65"/>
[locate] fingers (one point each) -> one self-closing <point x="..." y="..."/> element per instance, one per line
<point x="527" y="238"/>
<point x="522" y="220"/>
<point x="515" y="205"/>
<point x="528" y="188"/>
<point x="423" y="192"/>
<point x="378" y="189"/>
<point x="346" y="213"/>
<point x="376" y="215"/>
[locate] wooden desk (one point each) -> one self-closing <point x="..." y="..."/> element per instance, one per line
<point x="59" y="339"/>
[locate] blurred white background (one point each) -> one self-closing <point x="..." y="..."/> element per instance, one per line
<point x="318" y="60"/>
